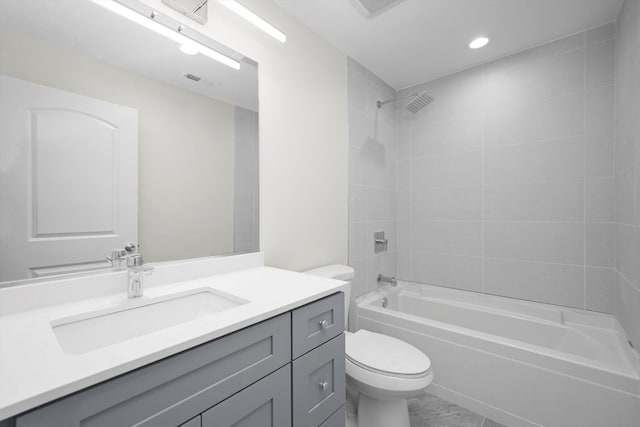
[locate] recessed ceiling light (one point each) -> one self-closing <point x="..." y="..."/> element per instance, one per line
<point x="479" y="42"/>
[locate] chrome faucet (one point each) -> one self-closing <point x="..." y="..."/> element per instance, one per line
<point x="135" y="275"/>
<point x="385" y="279"/>
<point x="118" y="258"/>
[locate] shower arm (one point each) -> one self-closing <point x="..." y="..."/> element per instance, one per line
<point x="381" y="103"/>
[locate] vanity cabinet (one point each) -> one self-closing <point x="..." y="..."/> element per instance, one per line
<point x="317" y="323"/>
<point x="194" y="422"/>
<point x="319" y="383"/>
<point x="318" y="360"/>
<point x="264" y="404"/>
<point x="249" y="378"/>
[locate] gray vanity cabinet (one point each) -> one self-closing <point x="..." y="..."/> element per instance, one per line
<point x="318" y="360"/>
<point x="319" y="383"/>
<point x="335" y="420"/>
<point x="250" y="378"/>
<point x="194" y="422"/>
<point x="174" y="390"/>
<point x="267" y="403"/>
<point x="316" y="323"/>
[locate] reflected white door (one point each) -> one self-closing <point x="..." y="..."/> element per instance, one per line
<point x="68" y="180"/>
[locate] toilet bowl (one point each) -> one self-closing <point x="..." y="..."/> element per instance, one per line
<point x="382" y="370"/>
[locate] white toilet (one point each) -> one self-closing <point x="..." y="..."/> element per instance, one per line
<point x="383" y="370"/>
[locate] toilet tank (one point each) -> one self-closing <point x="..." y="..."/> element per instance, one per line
<point x="338" y="272"/>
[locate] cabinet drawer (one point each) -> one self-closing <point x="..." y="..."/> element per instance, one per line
<point x="267" y="403"/>
<point x="174" y="390"/>
<point x="316" y="323"/>
<point x="336" y="420"/>
<point x="318" y="383"/>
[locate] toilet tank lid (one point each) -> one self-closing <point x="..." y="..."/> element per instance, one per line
<point x="335" y="271"/>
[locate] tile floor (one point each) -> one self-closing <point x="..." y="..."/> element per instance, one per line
<point x="431" y="411"/>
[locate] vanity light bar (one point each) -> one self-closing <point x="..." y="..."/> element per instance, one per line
<point x="255" y="19"/>
<point x="149" y="23"/>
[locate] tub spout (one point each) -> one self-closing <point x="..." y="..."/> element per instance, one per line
<point x="385" y="279"/>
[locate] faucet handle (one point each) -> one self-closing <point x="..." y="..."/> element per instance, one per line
<point x="135" y="260"/>
<point x="117" y="258"/>
<point x="116" y="254"/>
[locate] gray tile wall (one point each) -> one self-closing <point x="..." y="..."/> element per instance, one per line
<point x="246" y="200"/>
<point x="505" y="184"/>
<point x="627" y="171"/>
<point x="372" y="176"/>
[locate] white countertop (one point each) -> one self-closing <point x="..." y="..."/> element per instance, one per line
<point x="35" y="370"/>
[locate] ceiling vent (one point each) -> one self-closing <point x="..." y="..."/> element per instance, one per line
<point x="192" y="77"/>
<point x="371" y="8"/>
<point x="202" y="80"/>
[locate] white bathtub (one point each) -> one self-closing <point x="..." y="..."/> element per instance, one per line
<point x="518" y="362"/>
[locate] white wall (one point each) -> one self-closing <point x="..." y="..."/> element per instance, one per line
<point x="303" y="134"/>
<point x="185" y="140"/>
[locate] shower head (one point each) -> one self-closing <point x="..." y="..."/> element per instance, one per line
<point x="419" y="101"/>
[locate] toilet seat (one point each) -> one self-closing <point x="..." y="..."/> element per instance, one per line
<point x="372" y="361"/>
<point x="386" y="355"/>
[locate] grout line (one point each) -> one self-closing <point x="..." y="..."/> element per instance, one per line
<point x="411" y="201"/>
<point x="584" y="172"/>
<point x="506" y="183"/>
<point x="510" y="221"/>
<point x="633" y="285"/>
<point x="397" y="187"/>
<point x="615" y="154"/>
<point x="517" y="144"/>
<point x="482" y="194"/>
<point x="522" y="260"/>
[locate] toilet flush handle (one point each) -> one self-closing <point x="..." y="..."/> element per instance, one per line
<point x="323" y="386"/>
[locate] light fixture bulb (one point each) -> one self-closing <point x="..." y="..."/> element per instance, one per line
<point x="255" y="19"/>
<point x="189" y="49"/>
<point x="151" y="24"/>
<point x="479" y="42"/>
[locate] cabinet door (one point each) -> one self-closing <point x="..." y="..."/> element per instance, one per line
<point x="174" y="390"/>
<point x="338" y="419"/>
<point x="319" y="383"/>
<point x="194" y="422"/>
<point x="267" y="403"/>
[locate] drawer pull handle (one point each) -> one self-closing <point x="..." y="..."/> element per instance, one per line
<point x="323" y="324"/>
<point x="323" y="386"/>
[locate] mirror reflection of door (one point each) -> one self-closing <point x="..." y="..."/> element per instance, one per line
<point x="69" y="180"/>
<point x="197" y="141"/>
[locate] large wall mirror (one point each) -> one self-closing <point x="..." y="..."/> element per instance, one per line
<point x="112" y="133"/>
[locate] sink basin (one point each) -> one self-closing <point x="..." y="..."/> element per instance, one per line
<point x="97" y="329"/>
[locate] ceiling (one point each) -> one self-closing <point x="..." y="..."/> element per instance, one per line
<point x="88" y="29"/>
<point x="414" y="41"/>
